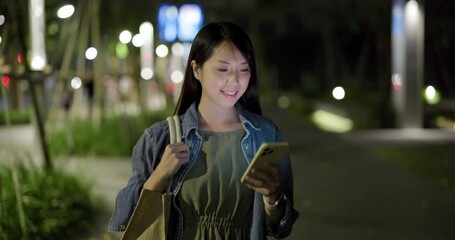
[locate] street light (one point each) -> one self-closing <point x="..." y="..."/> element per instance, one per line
<point x="162" y="51"/>
<point x="65" y="11"/>
<point x="91" y="53"/>
<point x="138" y="40"/>
<point x="125" y="37"/>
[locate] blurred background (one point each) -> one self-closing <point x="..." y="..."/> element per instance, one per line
<point x="363" y="90"/>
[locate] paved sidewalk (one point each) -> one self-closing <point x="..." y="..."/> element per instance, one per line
<point x="344" y="191"/>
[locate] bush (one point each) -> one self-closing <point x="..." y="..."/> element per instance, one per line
<point x="16" y="116"/>
<point x="116" y="136"/>
<point x="35" y="204"/>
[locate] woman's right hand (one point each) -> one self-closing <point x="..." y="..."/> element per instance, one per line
<point x="175" y="155"/>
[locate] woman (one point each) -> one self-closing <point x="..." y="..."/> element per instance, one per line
<point x="222" y="128"/>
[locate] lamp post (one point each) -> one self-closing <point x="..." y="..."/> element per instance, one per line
<point x="407" y="63"/>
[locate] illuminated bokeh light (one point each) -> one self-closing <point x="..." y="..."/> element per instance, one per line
<point x="76" y="83"/>
<point x="38" y="63"/>
<point x="138" y="40"/>
<point x="91" y="53"/>
<point x="125" y="37"/>
<point x="177" y="49"/>
<point x="121" y="50"/>
<point x="431" y="95"/>
<point x="396" y="82"/>
<point x="6" y="81"/>
<point x="331" y="122"/>
<point x="2" y="20"/>
<point x="147" y="73"/>
<point x="338" y="93"/>
<point x="162" y="51"/>
<point x="65" y="11"/>
<point x="177" y="76"/>
<point x="284" y="101"/>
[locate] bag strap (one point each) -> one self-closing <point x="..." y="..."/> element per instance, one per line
<point x="175" y="131"/>
<point x="175" y="134"/>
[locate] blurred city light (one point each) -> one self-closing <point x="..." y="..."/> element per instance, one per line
<point x="76" y="83"/>
<point x="38" y="63"/>
<point x="53" y="28"/>
<point x="162" y="50"/>
<point x="65" y="11"/>
<point x="177" y="49"/>
<point x="338" y="93"/>
<point x="181" y="23"/>
<point x="121" y="50"/>
<point x="36" y="19"/>
<point x="19" y="58"/>
<point x="147" y="73"/>
<point x="331" y="122"/>
<point x="138" y="40"/>
<point x="2" y="20"/>
<point x="396" y="81"/>
<point x="177" y="76"/>
<point x="412" y="11"/>
<point x="167" y="22"/>
<point x="284" y="101"/>
<point x="431" y="95"/>
<point x="125" y="37"/>
<point x="5" y="81"/>
<point x="91" y="53"/>
<point x="147" y="56"/>
<point x="0" y="39"/>
<point x="190" y="20"/>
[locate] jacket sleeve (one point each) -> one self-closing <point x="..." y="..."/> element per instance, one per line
<point x="284" y="228"/>
<point x="146" y="154"/>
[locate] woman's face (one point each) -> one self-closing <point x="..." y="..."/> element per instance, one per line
<point x="224" y="76"/>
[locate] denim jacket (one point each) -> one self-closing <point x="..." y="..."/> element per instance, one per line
<point x="150" y="147"/>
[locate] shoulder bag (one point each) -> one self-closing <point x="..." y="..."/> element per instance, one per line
<point x="150" y="218"/>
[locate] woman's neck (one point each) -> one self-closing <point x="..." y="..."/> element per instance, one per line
<point x="218" y="119"/>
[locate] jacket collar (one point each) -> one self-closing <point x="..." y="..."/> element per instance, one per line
<point x="190" y="119"/>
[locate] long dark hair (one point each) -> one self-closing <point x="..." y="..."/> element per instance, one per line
<point x="207" y="39"/>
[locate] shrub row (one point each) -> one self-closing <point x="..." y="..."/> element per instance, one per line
<point x="38" y="204"/>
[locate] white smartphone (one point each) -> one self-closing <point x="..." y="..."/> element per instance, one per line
<point x="271" y="152"/>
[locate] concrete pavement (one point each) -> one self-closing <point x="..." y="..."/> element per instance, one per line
<point x="345" y="191"/>
<point x="342" y="189"/>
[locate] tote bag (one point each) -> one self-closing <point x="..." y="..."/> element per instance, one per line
<point x="150" y="218"/>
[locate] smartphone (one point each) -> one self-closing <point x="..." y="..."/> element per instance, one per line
<point x="271" y="152"/>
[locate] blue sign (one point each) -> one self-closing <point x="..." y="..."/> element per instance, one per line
<point x="179" y="23"/>
<point x="167" y="22"/>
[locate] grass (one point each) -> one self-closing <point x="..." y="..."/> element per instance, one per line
<point x="435" y="162"/>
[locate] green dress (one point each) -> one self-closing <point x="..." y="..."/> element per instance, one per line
<point x="215" y="204"/>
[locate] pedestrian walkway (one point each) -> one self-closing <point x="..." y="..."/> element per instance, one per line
<point x="342" y="189"/>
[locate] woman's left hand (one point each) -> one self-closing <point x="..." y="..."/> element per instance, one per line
<point x="265" y="181"/>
